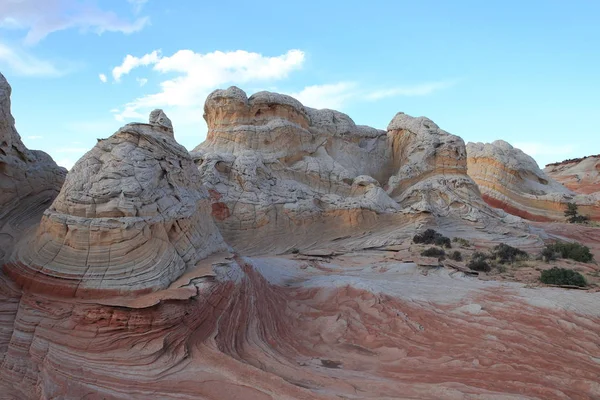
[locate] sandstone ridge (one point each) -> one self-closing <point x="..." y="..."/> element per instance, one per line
<point x="276" y="167"/>
<point x="581" y="175"/>
<point x="511" y="180"/>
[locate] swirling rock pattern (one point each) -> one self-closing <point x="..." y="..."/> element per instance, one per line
<point x="357" y="326"/>
<point x="132" y="216"/>
<point x="124" y="290"/>
<point x="511" y="180"/>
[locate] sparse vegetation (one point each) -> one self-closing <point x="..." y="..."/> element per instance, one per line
<point x="456" y="255"/>
<point x="461" y="242"/>
<point x="506" y="254"/>
<point x="432" y="237"/>
<point x="479" y="262"/>
<point x="572" y="251"/>
<point x="562" y="276"/>
<point x="294" y="250"/>
<point x="434" y="252"/>
<point x="573" y="215"/>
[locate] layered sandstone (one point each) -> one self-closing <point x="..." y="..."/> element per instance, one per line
<point x="29" y="179"/>
<point x="277" y="166"/>
<point x="116" y="295"/>
<point x="581" y="175"/>
<point x="511" y="180"/>
<point x="131" y="216"/>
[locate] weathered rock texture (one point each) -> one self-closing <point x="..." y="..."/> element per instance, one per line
<point x="132" y="215"/>
<point x="116" y="295"/>
<point x="511" y="180"/>
<point x="275" y="168"/>
<point x="29" y="179"/>
<point x="581" y="175"/>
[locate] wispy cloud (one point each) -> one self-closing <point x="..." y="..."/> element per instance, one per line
<point x="41" y="18"/>
<point x="332" y="96"/>
<point x="20" y="62"/>
<point x="34" y="137"/>
<point x="337" y="95"/>
<point x="421" y="89"/>
<point x="141" y="81"/>
<point x="103" y="78"/>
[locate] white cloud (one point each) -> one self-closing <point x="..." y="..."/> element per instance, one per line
<point x="421" y="89"/>
<point x="102" y="78"/>
<point x="22" y="63"/>
<point x="41" y="18"/>
<point x="34" y="137"/>
<point x="130" y="62"/>
<point x="141" y="81"/>
<point x="327" y="96"/>
<point x="198" y="74"/>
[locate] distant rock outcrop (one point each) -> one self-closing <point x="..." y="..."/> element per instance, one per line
<point x="131" y="216"/>
<point x="273" y="164"/>
<point x="29" y="179"/>
<point x="511" y="180"/>
<point x="581" y="175"/>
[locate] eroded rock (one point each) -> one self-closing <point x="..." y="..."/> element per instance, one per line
<point x="510" y="179"/>
<point x="131" y="216"/>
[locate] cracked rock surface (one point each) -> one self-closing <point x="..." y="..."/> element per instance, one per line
<point x="131" y="216"/>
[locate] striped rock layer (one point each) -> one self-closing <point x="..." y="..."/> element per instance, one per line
<point x="511" y="180"/>
<point x="581" y="175"/>
<point x="275" y="167"/>
<point x="131" y="216"/>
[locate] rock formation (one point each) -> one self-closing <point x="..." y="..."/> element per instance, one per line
<point x="123" y="290"/>
<point x="131" y="216"/>
<point x="511" y="180"/>
<point x="277" y="167"/>
<point x="29" y="179"/>
<point x="581" y="175"/>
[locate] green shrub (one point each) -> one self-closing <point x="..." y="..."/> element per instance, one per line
<point x="572" y="251"/>
<point x="573" y="215"/>
<point x="461" y="242"/>
<point x="562" y="276"/>
<point x="432" y="237"/>
<point x="508" y="254"/>
<point x="456" y="255"/>
<point x="433" y="252"/>
<point x="479" y="262"/>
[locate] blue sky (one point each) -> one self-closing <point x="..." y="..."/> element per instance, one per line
<point x="523" y="71"/>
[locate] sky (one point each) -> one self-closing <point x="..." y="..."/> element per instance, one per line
<point x="522" y="71"/>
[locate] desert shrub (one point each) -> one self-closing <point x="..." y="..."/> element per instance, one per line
<point x="479" y="262"/>
<point x="572" y="251"/>
<point x="562" y="276"/>
<point x="461" y="242"/>
<point x="455" y="255"/>
<point x="508" y="254"/>
<point x="573" y="215"/>
<point x="432" y="237"/>
<point x="294" y="250"/>
<point x="433" y="252"/>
